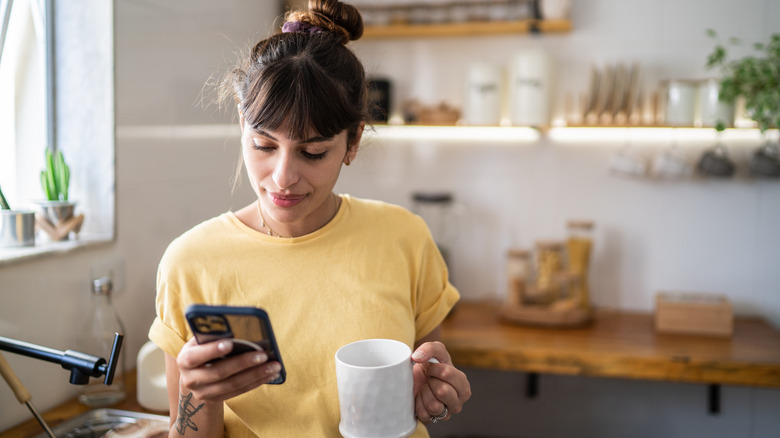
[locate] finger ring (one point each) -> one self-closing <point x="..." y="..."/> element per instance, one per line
<point x="441" y="416"/>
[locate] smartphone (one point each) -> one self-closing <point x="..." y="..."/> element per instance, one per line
<point x="248" y="327"/>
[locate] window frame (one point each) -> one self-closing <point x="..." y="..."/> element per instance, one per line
<point x="91" y="156"/>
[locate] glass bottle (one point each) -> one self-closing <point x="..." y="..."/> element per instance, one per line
<point x="517" y="270"/>
<point x="97" y="339"/>
<point x="441" y="215"/>
<point x="578" y="246"/>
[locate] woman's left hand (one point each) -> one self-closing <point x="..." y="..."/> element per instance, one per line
<point x="440" y="389"/>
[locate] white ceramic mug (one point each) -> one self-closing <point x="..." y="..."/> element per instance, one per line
<point x="375" y="387"/>
<point x="670" y="164"/>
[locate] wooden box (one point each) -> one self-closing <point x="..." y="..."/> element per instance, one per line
<point x="693" y="313"/>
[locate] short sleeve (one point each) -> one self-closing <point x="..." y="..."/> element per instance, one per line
<point x="435" y="295"/>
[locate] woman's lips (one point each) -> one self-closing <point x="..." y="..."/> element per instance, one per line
<point x="286" y="201"/>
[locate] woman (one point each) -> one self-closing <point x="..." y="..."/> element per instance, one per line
<point x="329" y="269"/>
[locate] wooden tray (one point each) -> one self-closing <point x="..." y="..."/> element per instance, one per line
<point x="546" y="316"/>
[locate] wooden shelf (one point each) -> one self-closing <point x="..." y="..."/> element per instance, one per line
<point x="466" y="29"/>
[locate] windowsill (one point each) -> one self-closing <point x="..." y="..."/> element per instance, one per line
<point x="14" y="255"/>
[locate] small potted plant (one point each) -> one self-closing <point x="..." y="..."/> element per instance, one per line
<point x="17" y="227"/>
<point x="755" y="78"/>
<point x="56" y="209"/>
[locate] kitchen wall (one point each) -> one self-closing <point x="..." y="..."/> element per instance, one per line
<point x="175" y="159"/>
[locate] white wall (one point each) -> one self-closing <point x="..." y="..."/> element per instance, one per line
<point x="693" y="235"/>
<point x="696" y="235"/>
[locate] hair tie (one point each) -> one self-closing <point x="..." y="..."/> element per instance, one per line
<point x="300" y="27"/>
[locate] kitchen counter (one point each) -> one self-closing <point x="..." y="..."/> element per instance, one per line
<point x="615" y="344"/>
<point x="73" y="408"/>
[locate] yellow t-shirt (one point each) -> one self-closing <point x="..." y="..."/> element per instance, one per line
<point x="373" y="271"/>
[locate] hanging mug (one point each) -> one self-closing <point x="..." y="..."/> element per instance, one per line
<point x="765" y="162"/>
<point x="716" y="162"/>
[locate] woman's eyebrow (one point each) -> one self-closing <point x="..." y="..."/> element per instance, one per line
<point x="315" y="139"/>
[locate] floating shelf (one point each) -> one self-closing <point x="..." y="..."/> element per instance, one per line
<point x="453" y="133"/>
<point x="526" y="134"/>
<point x="466" y="29"/>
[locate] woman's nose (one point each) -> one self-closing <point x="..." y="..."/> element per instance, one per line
<point x="285" y="172"/>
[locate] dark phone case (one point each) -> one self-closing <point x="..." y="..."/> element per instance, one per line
<point x="209" y="323"/>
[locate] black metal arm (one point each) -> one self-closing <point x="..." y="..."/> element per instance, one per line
<point x="82" y="366"/>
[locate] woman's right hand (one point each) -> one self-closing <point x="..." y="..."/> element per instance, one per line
<point x="223" y="378"/>
<point x="198" y="384"/>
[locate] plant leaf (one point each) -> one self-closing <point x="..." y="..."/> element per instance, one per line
<point x="51" y="185"/>
<point x="3" y="203"/>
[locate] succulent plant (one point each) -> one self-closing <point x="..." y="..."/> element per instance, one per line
<point x="55" y="179"/>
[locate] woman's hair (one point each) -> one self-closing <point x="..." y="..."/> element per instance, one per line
<point x="304" y="78"/>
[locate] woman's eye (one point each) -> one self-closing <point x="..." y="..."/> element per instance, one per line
<point x="262" y="148"/>
<point x="311" y="156"/>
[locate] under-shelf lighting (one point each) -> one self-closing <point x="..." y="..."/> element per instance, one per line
<point x="454" y="133"/>
<point x="650" y="134"/>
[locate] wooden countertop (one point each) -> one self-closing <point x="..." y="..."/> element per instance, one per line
<point x="616" y="344"/>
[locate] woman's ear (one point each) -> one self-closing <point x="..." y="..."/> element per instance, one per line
<point x="240" y="117"/>
<point x="354" y="145"/>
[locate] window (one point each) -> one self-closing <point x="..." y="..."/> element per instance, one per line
<point x="57" y="91"/>
<point x="23" y="87"/>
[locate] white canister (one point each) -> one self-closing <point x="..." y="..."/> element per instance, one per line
<point x="710" y="110"/>
<point x="680" y="102"/>
<point x="530" y="88"/>
<point x="483" y="95"/>
<point x="555" y="9"/>
<point x="152" y="390"/>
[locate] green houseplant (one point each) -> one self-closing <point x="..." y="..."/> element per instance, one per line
<point x="56" y="209"/>
<point x="55" y="179"/>
<point x="755" y="78"/>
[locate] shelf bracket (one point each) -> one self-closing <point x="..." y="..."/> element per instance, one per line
<point x="713" y="394"/>
<point x="532" y="385"/>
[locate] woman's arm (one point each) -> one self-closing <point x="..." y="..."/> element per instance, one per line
<point x="197" y="387"/>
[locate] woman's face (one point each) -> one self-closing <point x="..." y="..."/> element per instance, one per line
<point x="294" y="179"/>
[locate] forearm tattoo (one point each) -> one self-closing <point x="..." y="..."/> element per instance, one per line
<point x="186" y="411"/>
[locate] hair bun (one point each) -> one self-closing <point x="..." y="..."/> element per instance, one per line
<point x="335" y="16"/>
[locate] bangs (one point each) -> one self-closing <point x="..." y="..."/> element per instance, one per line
<point x="295" y="96"/>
